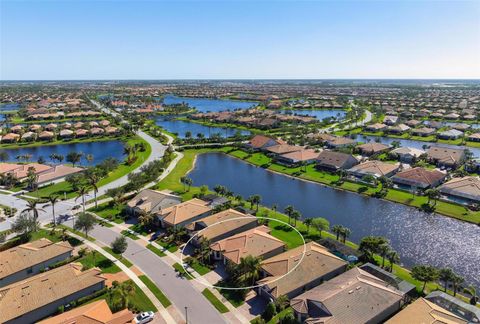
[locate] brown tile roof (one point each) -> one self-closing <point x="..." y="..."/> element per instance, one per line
<point x="29" y="295"/>
<point x="149" y="200"/>
<point x="29" y="254"/>
<point x="184" y="211"/>
<point x="467" y="187"/>
<point x="256" y="242"/>
<point x="445" y="154"/>
<point x="302" y="155"/>
<point x="223" y="223"/>
<point x="421" y="175"/>
<point x="283" y="148"/>
<point x="374" y="167"/>
<point x="56" y="172"/>
<point x="316" y="262"/>
<point x="258" y="141"/>
<point x="373" y="147"/>
<point x="352" y="297"/>
<point x="96" y="312"/>
<point x="423" y="311"/>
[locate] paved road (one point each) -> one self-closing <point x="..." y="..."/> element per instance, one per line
<point x="180" y="291"/>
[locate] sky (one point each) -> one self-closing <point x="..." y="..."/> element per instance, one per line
<point x="84" y="40"/>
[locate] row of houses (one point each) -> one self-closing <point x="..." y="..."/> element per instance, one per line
<point x="45" y="135"/>
<point x="30" y="291"/>
<point x="44" y="173"/>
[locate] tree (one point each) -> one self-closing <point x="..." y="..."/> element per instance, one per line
<point x="256" y="199"/>
<point x="74" y="157"/>
<point x="119" y="245"/>
<point x="24" y="225"/>
<point x="321" y="224"/>
<point x="345" y="233"/>
<point x="457" y="281"/>
<point x="370" y="245"/>
<point x="146" y="219"/>
<point x="289" y="210"/>
<point x="281" y="302"/>
<point x="249" y="269"/>
<point x="424" y="273"/>
<point x="116" y="194"/>
<point x="432" y="194"/>
<point x="472" y="291"/>
<point x="308" y="223"/>
<point x="337" y="230"/>
<point x="296" y="215"/>
<point x="32" y="178"/>
<point x="393" y="257"/>
<point x="383" y="250"/>
<point x="93" y="179"/>
<point x="269" y="312"/>
<point x="203" y="190"/>
<point x="32" y="209"/>
<point x="81" y="192"/>
<point x="186" y="182"/>
<point x="85" y="222"/>
<point x="446" y="275"/>
<point x="53" y="199"/>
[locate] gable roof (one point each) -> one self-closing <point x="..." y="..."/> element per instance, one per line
<point x="255" y="242"/>
<point x="315" y="263"/>
<point x="423" y="311"/>
<point x="29" y="254"/>
<point x="31" y="294"/>
<point x="184" y="211"/>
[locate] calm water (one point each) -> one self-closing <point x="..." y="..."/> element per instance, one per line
<point x="205" y="104"/>
<point x="9" y="106"/>
<point x="319" y="114"/>
<point x="414" y="143"/>
<point x="419" y="238"/>
<point x="182" y="127"/>
<point x="99" y="150"/>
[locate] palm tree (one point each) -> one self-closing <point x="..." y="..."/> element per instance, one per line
<point x="383" y="249"/>
<point x="345" y="233"/>
<point x="472" y="291"/>
<point x="92" y="181"/>
<point x="446" y="275"/>
<point x="393" y="257"/>
<point x="337" y="229"/>
<point x="32" y="208"/>
<point x="274" y="208"/>
<point x="289" y="210"/>
<point x="250" y="268"/>
<point x="456" y="282"/>
<point x="146" y="219"/>
<point x="308" y="223"/>
<point x="53" y="199"/>
<point x="256" y="199"/>
<point x="432" y="194"/>
<point x="296" y="215"/>
<point x="204" y="249"/>
<point x="125" y="290"/>
<point x="81" y="192"/>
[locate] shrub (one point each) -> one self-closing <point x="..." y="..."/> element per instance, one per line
<point x="269" y="312"/>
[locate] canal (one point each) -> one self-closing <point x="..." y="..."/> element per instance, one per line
<point x="418" y="237"/>
<point x="181" y="128"/>
<point x="206" y="104"/>
<point x="317" y="113"/>
<point x="100" y="151"/>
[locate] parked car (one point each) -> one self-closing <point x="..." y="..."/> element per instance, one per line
<point x="144" y="317"/>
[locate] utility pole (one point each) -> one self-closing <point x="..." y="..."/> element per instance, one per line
<point x="186" y="315"/>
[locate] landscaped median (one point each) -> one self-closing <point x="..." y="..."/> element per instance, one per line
<point x="155" y="290"/>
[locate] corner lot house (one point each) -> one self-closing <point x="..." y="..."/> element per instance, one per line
<point x="374" y="168"/>
<point x="310" y="269"/>
<point x="184" y="213"/>
<point x="40" y="296"/>
<point x="23" y="261"/>
<point x="423" y="311"/>
<point x="221" y="225"/>
<point x="256" y="242"/>
<point x="419" y="178"/>
<point x="465" y="190"/>
<point x="333" y="161"/>
<point x="447" y="157"/>
<point x="352" y="297"/>
<point x="95" y="313"/>
<point x="151" y="201"/>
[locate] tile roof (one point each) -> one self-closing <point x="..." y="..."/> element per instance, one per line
<point x="184" y="211"/>
<point x="421" y="176"/>
<point x="467" y="187"/>
<point x="423" y="311"/>
<point x="302" y="155"/>
<point x="374" y="167"/>
<point x="445" y="154"/>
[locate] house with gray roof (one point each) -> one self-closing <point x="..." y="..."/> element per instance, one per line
<point x="151" y="201"/>
<point x="463" y="310"/>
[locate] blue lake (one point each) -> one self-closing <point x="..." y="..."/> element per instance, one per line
<point x="99" y="150"/>
<point x="319" y="114"/>
<point x="213" y="105"/>
<point x="418" y="237"/>
<point x="181" y="127"/>
<point x="9" y="106"/>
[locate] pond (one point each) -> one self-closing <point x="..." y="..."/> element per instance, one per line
<point x="317" y="113"/>
<point x="206" y="104"/>
<point x="9" y="106"/>
<point x="413" y="143"/>
<point x="100" y="151"/>
<point x="181" y="128"/>
<point x="418" y="237"/>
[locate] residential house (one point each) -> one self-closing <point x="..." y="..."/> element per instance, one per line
<point x="111" y="130"/>
<point x="46" y="136"/>
<point x="410" y="290"/>
<point x="377" y="127"/>
<point x="320" y="138"/>
<point x="446" y="157"/>
<point x="96" y="131"/>
<point x="29" y="136"/>
<point x="97" y="312"/>
<point x="304" y="156"/>
<point x="260" y="142"/>
<point x="474" y="137"/>
<point x="464" y="190"/>
<point x="25" y="260"/>
<point x="297" y="270"/>
<point x="468" y="312"/>
<point x="333" y="161"/>
<point x="452" y="116"/>
<point x="390" y="120"/>
<point x="398" y="129"/>
<point x="423" y="311"/>
<point x="184" y="213"/>
<point x="413" y="123"/>
<point x="40" y="296"/>
<point x="372" y="148"/>
<point x="81" y="132"/>
<point x="256" y="242"/>
<point x="282" y="149"/>
<point x="339" y="142"/>
<point x="423" y="131"/>
<point x="374" y="168"/>
<point x="66" y="133"/>
<point x="151" y="201"/>
<point x="221" y="225"/>
<point x="10" y="138"/>
<point x="450" y="134"/>
<point x="407" y="154"/>
<point x="419" y="178"/>
<point x="355" y="296"/>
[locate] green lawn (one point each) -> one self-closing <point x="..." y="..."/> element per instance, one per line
<point x="155" y="250"/>
<point x="127" y="263"/>
<point x="214" y="301"/>
<point x="233" y="296"/>
<point x="109" y="211"/>
<point x="170" y="247"/>
<point x="141" y="302"/>
<point x="180" y="269"/>
<point x="128" y="234"/>
<point x="91" y="239"/>
<point x="101" y="261"/>
<point x="155" y="290"/>
<point x="199" y="268"/>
